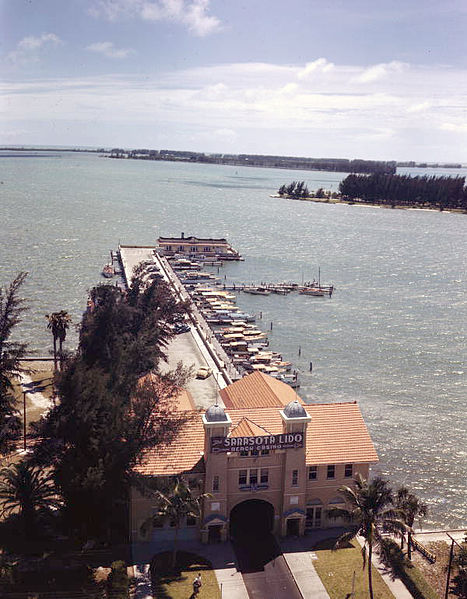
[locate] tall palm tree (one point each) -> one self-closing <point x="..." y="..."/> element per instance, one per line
<point x="410" y="507"/>
<point x="59" y="323"/>
<point x="370" y="511"/>
<point x="175" y="505"/>
<point x="27" y="491"/>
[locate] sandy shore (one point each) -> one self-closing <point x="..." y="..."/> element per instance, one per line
<point x="368" y="204"/>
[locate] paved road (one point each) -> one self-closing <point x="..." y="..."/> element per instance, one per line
<point x="264" y="569"/>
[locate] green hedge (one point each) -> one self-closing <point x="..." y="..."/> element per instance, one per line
<point x="411" y="576"/>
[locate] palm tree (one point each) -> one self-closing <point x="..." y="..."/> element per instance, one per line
<point x="27" y="491"/>
<point x="370" y="511"/>
<point x="58" y="323"/>
<point x="409" y="506"/>
<point x="175" y="505"/>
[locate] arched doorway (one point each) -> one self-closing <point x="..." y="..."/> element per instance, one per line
<point x="253" y="517"/>
<point x="251" y="526"/>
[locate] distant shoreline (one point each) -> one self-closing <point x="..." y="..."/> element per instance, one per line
<point x="368" y="204"/>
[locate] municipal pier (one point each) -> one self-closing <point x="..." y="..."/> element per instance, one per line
<point x="271" y="463"/>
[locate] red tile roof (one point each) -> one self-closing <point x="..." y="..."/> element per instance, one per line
<point x="336" y="433"/>
<point x="184" y="455"/>
<point x="248" y="428"/>
<point x="257" y="390"/>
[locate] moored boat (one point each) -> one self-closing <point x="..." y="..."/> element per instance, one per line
<point x="108" y="271"/>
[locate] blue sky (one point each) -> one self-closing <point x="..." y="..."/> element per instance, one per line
<point x="370" y="79"/>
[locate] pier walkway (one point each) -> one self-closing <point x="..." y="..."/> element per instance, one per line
<point x="196" y="348"/>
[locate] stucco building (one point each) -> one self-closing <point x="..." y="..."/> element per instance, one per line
<point x="196" y="247"/>
<point x="268" y="460"/>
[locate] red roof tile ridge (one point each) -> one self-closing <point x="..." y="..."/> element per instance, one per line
<point x="247" y="420"/>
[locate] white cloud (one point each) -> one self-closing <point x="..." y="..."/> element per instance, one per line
<point x="381" y="71"/>
<point x="193" y="14"/>
<point x="261" y="102"/>
<point x="456" y="127"/>
<point x="109" y="50"/>
<point x="419" y="107"/>
<point x="321" y="65"/>
<point x="27" y="49"/>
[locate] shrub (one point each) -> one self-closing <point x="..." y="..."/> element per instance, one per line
<point x="117" y="582"/>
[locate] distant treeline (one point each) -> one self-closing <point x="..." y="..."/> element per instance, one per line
<point x="342" y="165"/>
<point x="403" y="190"/>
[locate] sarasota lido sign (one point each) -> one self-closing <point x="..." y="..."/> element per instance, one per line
<point x="268" y="442"/>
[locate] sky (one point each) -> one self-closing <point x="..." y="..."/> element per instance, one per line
<point x="372" y="79"/>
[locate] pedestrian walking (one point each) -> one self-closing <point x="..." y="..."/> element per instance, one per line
<point x="197" y="584"/>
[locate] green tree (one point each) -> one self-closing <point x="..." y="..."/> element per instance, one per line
<point x="113" y="405"/>
<point x="175" y="504"/>
<point x="410" y="507"/>
<point x="12" y="306"/>
<point x="370" y="511"/>
<point x="58" y="323"/>
<point x="27" y="491"/>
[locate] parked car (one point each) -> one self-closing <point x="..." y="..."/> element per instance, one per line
<point x="181" y="328"/>
<point x="203" y="373"/>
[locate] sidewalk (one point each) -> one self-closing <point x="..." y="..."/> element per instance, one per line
<point x="299" y="555"/>
<point x="220" y="555"/>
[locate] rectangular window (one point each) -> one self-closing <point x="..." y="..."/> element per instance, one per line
<point x="294" y="478"/>
<point x="331" y="471"/>
<point x="348" y="471"/>
<point x="312" y="472"/>
<point x="254" y="476"/>
<point x="242" y="477"/>
<point x="215" y="483"/>
<point x="264" y="475"/>
<point x="265" y="452"/>
<point x="254" y="452"/>
<point x="244" y="453"/>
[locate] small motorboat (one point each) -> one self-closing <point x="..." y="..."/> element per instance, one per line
<point x="108" y="271"/>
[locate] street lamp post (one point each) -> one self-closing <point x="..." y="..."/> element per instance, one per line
<point x="24" y="420"/>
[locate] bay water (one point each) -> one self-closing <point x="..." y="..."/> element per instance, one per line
<point x="392" y="337"/>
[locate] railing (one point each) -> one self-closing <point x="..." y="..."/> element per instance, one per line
<point x="431" y="557"/>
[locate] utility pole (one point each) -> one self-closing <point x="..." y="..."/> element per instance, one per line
<point x="451" y="556"/>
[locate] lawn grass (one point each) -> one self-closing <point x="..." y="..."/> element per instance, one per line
<point x="178" y="584"/>
<point x="336" y="570"/>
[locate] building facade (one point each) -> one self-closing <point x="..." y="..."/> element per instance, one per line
<point x="267" y="459"/>
<point x="195" y="246"/>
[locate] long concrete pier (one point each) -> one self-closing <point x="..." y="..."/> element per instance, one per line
<point x="196" y="348"/>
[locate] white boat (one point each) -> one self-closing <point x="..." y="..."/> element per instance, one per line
<point x="314" y="291"/>
<point x="257" y="290"/>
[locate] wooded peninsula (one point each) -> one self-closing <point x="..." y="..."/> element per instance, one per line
<point x="440" y="193"/>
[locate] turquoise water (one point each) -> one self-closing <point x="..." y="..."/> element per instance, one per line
<point x="393" y="336"/>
